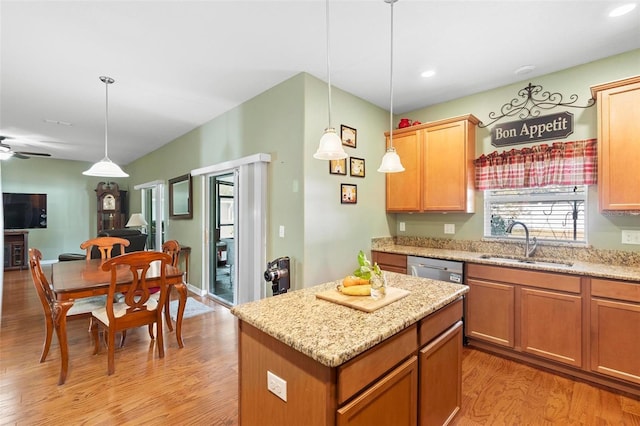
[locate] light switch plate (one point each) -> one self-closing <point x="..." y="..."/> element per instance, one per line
<point x="403" y="226"/>
<point x="281" y="231"/>
<point x="449" y="228"/>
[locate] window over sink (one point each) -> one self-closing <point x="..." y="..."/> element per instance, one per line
<point x="552" y="213"/>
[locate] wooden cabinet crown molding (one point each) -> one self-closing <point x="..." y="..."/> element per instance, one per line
<point x="612" y="85"/>
<point x="468" y="117"/>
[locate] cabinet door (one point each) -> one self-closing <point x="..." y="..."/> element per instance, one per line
<point x="618" y="149"/>
<point x="615" y="347"/>
<point x="403" y="189"/>
<point x="393" y="400"/>
<point x="448" y="168"/>
<point x="490" y="312"/>
<point x="441" y="378"/>
<point x="551" y="325"/>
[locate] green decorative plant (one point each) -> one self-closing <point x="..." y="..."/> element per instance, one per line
<point x="366" y="269"/>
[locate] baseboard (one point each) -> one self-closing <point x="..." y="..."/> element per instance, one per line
<point x="196" y="290"/>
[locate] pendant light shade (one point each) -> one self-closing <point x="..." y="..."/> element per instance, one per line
<point x="391" y="160"/>
<point x="330" y="147"/>
<point x="106" y="167"/>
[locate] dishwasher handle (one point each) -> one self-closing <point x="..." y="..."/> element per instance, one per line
<point x="413" y="268"/>
<point x="438" y="268"/>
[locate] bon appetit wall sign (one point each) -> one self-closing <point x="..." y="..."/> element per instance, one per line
<point x="554" y="126"/>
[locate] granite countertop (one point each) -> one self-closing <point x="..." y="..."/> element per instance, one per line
<point x="333" y="334"/>
<point x="600" y="270"/>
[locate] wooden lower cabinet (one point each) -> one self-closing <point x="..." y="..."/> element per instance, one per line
<point x="551" y="325"/>
<point x="440" y="387"/>
<point x="615" y="329"/>
<point x="584" y="327"/>
<point x="490" y="312"/>
<point x="390" y="261"/>
<point x="393" y="400"/>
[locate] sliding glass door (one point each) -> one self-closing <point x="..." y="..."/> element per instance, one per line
<point x="223" y="245"/>
<point x="152" y="211"/>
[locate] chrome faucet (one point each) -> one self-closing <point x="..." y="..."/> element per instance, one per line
<point x="527" y="251"/>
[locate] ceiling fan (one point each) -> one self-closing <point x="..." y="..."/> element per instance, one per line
<point x="6" y="151"/>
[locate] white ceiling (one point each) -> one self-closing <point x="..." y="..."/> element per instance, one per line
<point x="178" y="64"/>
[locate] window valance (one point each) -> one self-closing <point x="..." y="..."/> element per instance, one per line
<point x="561" y="163"/>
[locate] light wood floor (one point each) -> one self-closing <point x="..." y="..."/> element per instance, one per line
<point x="197" y="385"/>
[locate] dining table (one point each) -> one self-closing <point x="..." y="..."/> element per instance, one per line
<point x="85" y="278"/>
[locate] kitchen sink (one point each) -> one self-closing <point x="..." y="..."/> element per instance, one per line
<point x="528" y="261"/>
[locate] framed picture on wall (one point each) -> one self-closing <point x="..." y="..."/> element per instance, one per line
<point x="356" y="167"/>
<point x="338" y="167"/>
<point x="348" y="135"/>
<point x="348" y="193"/>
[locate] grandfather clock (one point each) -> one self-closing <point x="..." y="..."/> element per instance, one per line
<point x="112" y="210"/>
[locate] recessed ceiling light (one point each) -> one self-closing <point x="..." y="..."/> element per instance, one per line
<point x="622" y="10"/>
<point x="525" y="69"/>
<point x="428" y="73"/>
<point x="58" y="122"/>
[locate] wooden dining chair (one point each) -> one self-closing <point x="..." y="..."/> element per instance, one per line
<point x="172" y="248"/>
<point x="138" y="308"/>
<point x="81" y="307"/>
<point x="105" y="245"/>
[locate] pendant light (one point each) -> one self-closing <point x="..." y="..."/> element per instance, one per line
<point x="330" y="147"/>
<point x="106" y="167"/>
<point x="391" y="161"/>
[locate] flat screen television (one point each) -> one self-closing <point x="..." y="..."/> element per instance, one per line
<point x="24" y="211"/>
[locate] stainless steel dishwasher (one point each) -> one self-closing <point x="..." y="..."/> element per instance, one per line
<point x="436" y="269"/>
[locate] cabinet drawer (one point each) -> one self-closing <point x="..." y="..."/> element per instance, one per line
<point x="393" y="400"/>
<point x="438" y="322"/>
<point x="615" y="290"/>
<point x="390" y="259"/>
<point x="364" y="369"/>
<point x="524" y="277"/>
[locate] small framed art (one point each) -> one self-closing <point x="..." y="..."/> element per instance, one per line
<point x="356" y="167"/>
<point x="338" y="167"/>
<point x="348" y="193"/>
<point x="348" y="135"/>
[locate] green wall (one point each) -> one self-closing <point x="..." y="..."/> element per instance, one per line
<point x="335" y="232"/>
<point x="322" y="236"/>
<point x="71" y="200"/>
<point x="603" y="231"/>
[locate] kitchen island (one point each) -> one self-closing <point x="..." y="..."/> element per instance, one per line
<point x="330" y="364"/>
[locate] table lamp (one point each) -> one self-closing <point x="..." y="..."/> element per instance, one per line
<point x="136" y="221"/>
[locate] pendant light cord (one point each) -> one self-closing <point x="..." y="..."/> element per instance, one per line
<point x="107" y="81"/>
<point x="106" y="117"/>
<point x="328" y="62"/>
<point x="391" y="81"/>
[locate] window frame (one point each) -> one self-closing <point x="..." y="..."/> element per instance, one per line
<point x="536" y="195"/>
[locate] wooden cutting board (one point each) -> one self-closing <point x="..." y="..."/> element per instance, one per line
<point x="363" y="303"/>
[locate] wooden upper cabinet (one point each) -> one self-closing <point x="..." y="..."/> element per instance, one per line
<point x="618" y="144"/>
<point x="438" y="158"/>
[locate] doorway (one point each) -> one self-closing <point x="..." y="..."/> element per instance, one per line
<point x="152" y="202"/>
<point x="222" y="222"/>
<point x="242" y="186"/>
